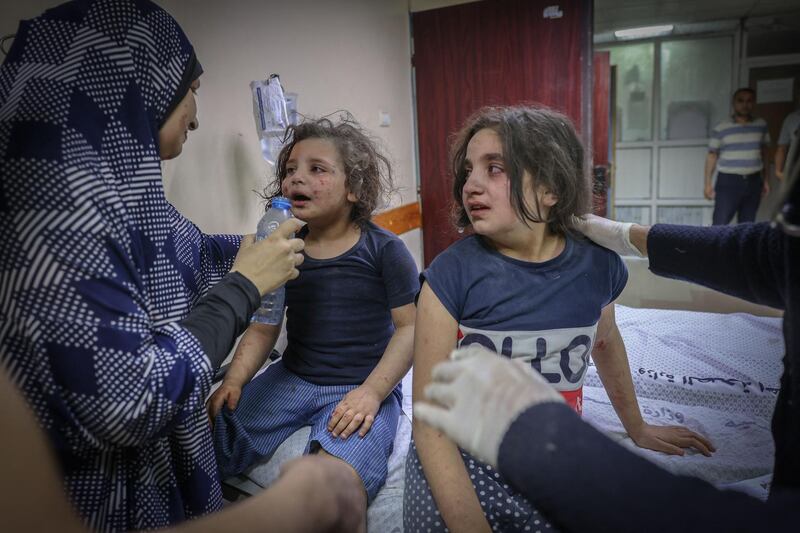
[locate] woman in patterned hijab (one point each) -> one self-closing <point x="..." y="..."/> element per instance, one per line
<point x="102" y="324"/>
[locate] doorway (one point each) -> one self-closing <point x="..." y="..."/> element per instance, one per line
<point x="777" y="84"/>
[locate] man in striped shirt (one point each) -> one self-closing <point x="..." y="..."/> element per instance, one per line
<point x="738" y="151"/>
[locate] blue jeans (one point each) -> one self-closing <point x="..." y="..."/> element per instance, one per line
<point x="736" y="194"/>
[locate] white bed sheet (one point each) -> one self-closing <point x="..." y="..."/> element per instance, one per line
<point x="716" y="374"/>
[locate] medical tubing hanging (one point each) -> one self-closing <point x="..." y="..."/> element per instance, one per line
<point x="271" y="115"/>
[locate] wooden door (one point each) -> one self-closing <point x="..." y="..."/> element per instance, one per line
<point x="497" y="52"/>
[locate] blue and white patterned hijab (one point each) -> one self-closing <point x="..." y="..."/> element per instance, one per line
<point x="97" y="268"/>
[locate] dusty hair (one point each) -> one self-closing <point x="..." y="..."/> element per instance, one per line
<point x="536" y="140"/>
<point x="368" y="172"/>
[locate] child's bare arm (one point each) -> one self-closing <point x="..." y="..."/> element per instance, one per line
<point x="396" y="360"/>
<point x="251" y="354"/>
<point x="358" y="408"/>
<point x="612" y="365"/>
<point x="434" y="338"/>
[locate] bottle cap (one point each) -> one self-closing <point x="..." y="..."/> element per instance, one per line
<point x="281" y="202"/>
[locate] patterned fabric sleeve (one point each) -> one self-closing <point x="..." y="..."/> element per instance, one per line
<point x="219" y="253"/>
<point x="123" y="373"/>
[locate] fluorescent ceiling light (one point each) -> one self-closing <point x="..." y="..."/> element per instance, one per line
<point x="643" y="32"/>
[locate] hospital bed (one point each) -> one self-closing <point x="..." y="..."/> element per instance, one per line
<point x="715" y="373"/>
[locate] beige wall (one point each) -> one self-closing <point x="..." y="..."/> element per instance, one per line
<point x="645" y="289"/>
<point x="347" y="54"/>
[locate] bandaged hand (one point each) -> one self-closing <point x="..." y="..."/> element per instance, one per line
<point x="478" y="395"/>
<point x="356" y="410"/>
<point x="616" y="236"/>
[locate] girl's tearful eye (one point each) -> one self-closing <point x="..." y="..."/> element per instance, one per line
<point x="495" y="169"/>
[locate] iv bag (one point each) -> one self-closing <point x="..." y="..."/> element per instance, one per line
<point x="272" y="118"/>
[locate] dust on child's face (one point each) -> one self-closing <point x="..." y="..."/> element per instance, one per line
<point x="315" y="182"/>
<point x="486" y="192"/>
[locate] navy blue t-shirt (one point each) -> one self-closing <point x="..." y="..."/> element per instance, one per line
<point x="546" y="313"/>
<point x="338" y="311"/>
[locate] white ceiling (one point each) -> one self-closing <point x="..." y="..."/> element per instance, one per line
<point x="610" y="15"/>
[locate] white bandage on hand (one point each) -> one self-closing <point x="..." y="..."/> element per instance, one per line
<point x="616" y="236"/>
<point x="480" y="394"/>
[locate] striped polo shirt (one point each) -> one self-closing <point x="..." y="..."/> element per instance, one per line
<point x="739" y="146"/>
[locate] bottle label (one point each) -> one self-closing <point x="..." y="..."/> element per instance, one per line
<point x="272" y="226"/>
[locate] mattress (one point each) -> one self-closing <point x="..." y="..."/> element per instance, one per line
<point x="715" y="374"/>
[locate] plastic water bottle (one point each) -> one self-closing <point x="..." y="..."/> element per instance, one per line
<point x="272" y="303"/>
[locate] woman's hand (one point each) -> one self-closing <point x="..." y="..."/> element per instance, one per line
<point x="356" y="410"/>
<point x="227" y="393"/>
<point x="671" y="439"/>
<point x="476" y="396"/>
<point x="623" y="238"/>
<point x="270" y="263"/>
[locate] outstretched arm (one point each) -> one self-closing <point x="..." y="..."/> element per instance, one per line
<point x="612" y="365"/>
<point x="745" y="260"/>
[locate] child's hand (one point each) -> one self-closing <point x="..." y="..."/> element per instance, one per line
<point x="356" y="410"/>
<point x="671" y="440"/>
<point x="226" y="393"/>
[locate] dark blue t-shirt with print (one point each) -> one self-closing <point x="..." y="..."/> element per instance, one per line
<point x="338" y="311"/>
<point x="546" y="313"/>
